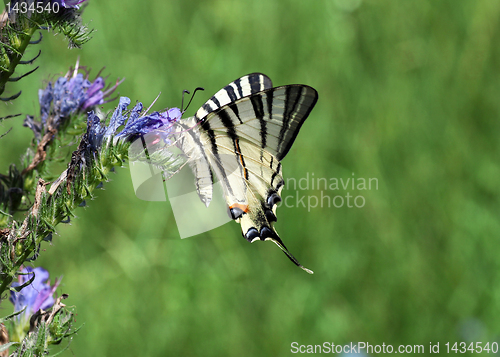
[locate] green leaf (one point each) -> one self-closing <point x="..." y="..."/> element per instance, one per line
<point x="6" y="318"/>
<point x="4" y="347"/>
<point x="18" y="288"/>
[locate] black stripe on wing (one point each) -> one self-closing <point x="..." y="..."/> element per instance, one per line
<point x="215" y="153"/>
<point x="242" y="87"/>
<point x="299" y="102"/>
<point x="258" y="108"/>
<point x="228" y="123"/>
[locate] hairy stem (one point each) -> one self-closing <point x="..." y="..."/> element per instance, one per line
<point x="18" y="42"/>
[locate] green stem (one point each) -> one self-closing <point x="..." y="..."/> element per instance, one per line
<point x="19" y="42"/>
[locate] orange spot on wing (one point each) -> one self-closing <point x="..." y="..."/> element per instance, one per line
<point x="244" y="208"/>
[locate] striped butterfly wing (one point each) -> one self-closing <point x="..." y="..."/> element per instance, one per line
<point x="242" y="142"/>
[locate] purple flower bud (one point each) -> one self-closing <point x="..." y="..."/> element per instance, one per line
<point x="70" y="94"/>
<point x="35" y="296"/>
<point x="45" y="98"/>
<point x="94" y="94"/>
<point x="118" y="118"/>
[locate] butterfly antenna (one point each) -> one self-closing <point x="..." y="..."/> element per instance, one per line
<point x="186" y="91"/>
<point x="182" y="102"/>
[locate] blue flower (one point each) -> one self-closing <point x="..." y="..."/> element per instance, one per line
<point x="70" y="94"/>
<point x="155" y="128"/>
<point x="35" y="296"/>
<point x="159" y="123"/>
<point x="94" y="94"/>
<point x="45" y="97"/>
<point x="138" y="123"/>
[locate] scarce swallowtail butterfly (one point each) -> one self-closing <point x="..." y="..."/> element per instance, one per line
<point x="239" y="137"/>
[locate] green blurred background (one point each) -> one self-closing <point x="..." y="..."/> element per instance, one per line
<point x="408" y="94"/>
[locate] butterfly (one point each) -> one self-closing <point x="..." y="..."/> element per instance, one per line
<point x="239" y="137"/>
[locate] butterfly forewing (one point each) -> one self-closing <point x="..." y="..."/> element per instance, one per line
<point x="270" y="119"/>
<point x="242" y="87"/>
